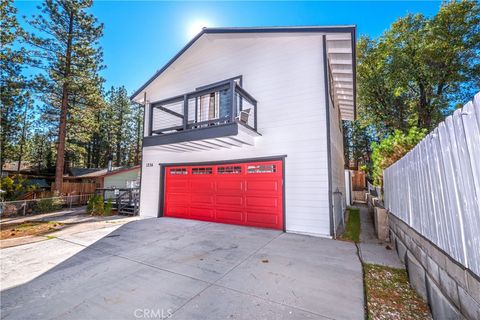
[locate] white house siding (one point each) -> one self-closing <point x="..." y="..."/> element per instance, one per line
<point x="284" y="72"/>
<point x="338" y="162"/>
<point x="120" y="179"/>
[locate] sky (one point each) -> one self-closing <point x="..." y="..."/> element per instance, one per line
<point x="141" y="36"/>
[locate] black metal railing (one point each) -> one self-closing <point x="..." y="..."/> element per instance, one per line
<point x="222" y="103"/>
<point x="124" y="200"/>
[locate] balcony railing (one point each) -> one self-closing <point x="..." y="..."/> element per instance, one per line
<point x="214" y="105"/>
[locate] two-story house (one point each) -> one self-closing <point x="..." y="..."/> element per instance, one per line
<point x="244" y="126"/>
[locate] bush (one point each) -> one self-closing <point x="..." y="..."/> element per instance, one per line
<point x="389" y="150"/>
<point x="96" y="205"/>
<point x="48" y="205"/>
<point x="108" y="208"/>
<point x="14" y="187"/>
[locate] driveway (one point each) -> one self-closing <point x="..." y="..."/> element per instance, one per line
<point x="183" y="269"/>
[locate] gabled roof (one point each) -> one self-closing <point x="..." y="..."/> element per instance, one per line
<point x="321" y="29"/>
<point x="77" y="172"/>
<point x="81" y="173"/>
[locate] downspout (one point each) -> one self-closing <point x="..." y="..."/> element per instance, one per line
<point x="327" y="121"/>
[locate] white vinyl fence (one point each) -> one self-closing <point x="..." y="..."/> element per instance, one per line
<point x="435" y="188"/>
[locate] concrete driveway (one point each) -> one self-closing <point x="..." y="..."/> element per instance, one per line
<point x="182" y="269"/>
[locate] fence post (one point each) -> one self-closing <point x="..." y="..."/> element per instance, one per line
<point x="70" y="202"/>
<point x="24" y="207"/>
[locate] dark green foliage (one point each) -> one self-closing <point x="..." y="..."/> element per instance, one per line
<point x="391" y="149"/>
<point x="419" y="68"/>
<point x="411" y="77"/>
<point x="13" y="94"/>
<point x="119" y="134"/>
<point x="357" y="141"/>
<point x="66" y="49"/>
<point x="64" y="55"/>
<point x="96" y="205"/>
<point x="14" y="187"/>
<point x="108" y="208"/>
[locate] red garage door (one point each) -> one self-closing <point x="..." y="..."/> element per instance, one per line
<point x="247" y="194"/>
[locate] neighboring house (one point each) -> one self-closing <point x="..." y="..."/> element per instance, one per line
<point x="243" y="126"/>
<point x="118" y="177"/>
<point x="122" y="178"/>
<point x="11" y="167"/>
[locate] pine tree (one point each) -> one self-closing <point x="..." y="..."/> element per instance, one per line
<point x="13" y="84"/>
<point x="69" y="54"/>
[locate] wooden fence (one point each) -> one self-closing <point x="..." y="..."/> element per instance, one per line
<point x="435" y="188"/>
<point x="76" y="187"/>
<point x="358" y="181"/>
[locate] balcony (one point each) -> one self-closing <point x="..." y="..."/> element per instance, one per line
<point x="221" y="115"/>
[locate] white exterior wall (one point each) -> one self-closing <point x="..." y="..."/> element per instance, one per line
<point x="338" y="161"/>
<point x="284" y="72"/>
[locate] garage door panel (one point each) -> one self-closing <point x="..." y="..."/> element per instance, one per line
<point x="198" y="185"/>
<point x="199" y="212"/>
<point x="263" y="202"/>
<point x="177" y="211"/>
<point x="247" y="194"/>
<point x="262" y="186"/>
<point x="229" y="215"/>
<point x="180" y="198"/>
<point x="223" y="200"/>
<point x="205" y="199"/>
<point x="260" y="218"/>
<point x="228" y="186"/>
<point x="179" y="186"/>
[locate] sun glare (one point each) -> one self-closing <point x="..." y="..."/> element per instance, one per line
<point x="196" y="26"/>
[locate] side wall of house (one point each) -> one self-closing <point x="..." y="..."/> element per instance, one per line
<point x="119" y="180"/>
<point x="284" y="72"/>
<point x="337" y="164"/>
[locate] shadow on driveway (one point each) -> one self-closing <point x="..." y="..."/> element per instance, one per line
<point x="184" y="269"/>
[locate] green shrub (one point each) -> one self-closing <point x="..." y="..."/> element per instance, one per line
<point x="108" y="208"/>
<point x="391" y="149"/>
<point x="96" y="205"/>
<point x="14" y="187"/>
<point x="48" y="205"/>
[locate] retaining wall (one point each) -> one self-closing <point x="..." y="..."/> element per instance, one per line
<point x="452" y="291"/>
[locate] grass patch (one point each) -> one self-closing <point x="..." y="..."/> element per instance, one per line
<point x="352" y="229"/>
<point x="34" y="228"/>
<point x="389" y="295"/>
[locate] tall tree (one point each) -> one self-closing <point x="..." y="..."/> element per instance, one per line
<point x="121" y="105"/>
<point x="13" y="83"/>
<point x="68" y="52"/>
<point x="420" y="68"/>
<point x="24" y="131"/>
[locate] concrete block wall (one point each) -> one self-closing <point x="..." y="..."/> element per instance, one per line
<point x="452" y="291"/>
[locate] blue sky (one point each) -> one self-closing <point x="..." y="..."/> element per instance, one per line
<point x="141" y="36"/>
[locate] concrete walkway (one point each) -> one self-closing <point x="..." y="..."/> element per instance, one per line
<point x="186" y="269"/>
<point x="373" y="250"/>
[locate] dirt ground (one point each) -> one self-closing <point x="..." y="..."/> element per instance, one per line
<point x="34" y="228"/>
<point x="29" y="229"/>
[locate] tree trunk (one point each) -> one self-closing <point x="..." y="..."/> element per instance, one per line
<point x="22" y="141"/>
<point x="62" y="131"/>
<point x="119" y="138"/>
